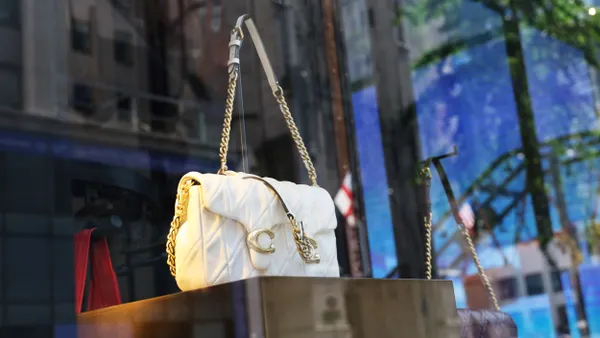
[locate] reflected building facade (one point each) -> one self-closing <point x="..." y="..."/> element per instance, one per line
<point x="104" y="104"/>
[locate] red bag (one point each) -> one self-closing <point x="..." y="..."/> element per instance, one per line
<point x="103" y="289"/>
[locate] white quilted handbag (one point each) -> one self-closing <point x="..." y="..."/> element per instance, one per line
<point x="231" y="226"/>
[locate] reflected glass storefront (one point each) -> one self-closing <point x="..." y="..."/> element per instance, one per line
<point x="514" y="86"/>
<point x="104" y="104"/>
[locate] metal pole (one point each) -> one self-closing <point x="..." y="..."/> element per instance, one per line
<point x="339" y="125"/>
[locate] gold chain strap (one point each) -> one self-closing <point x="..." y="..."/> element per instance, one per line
<point x="181" y="202"/>
<point x="426" y="174"/>
<point x="480" y="270"/>
<point x="285" y="110"/>
<point x="428" y="244"/>
<point x="226" y="132"/>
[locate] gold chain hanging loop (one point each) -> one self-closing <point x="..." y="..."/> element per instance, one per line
<point x="425" y="172"/>
<point x="480" y="270"/>
<point x="304" y="245"/>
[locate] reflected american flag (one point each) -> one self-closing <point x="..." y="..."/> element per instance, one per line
<point x="467" y="215"/>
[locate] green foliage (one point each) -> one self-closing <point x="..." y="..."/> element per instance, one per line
<point x="565" y="21"/>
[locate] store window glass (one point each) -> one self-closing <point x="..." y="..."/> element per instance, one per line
<point x="555" y="279"/>
<point x="508" y="288"/>
<point x="489" y="108"/>
<point x="123" y="48"/>
<point x="513" y="85"/>
<point x="10" y="81"/>
<point x="81" y="36"/>
<point x="10" y="11"/>
<point x="124" y="107"/>
<point x="82" y="98"/>
<point x="534" y="284"/>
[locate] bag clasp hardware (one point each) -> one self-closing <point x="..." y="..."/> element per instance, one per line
<point x="306" y="245"/>
<point x="254" y="244"/>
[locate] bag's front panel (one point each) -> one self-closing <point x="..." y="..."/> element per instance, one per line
<point x="211" y="249"/>
<point x="313" y="207"/>
<point x="285" y="261"/>
<point x="256" y="206"/>
<point x="212" y="243"/>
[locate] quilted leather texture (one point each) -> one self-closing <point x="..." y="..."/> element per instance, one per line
<point x="486" y="324"/>
<point x="211" y="244"/>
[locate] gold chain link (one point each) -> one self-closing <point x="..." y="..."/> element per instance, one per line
<point x="289" y="119"/>
<point x="181" y="202"/>
<point x="480" y="270"/>
<point x="304" y="245"/>
<point x="426" y="174"/>
<point x="226" y="132"/>
<point x="428" y="244"/>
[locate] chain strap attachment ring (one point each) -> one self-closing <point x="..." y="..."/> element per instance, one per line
<point x="305" y="245"/>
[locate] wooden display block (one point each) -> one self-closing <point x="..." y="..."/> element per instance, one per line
<point x="287" y="307"/>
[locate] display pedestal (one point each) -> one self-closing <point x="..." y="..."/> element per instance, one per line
<point x="287" y="307"/>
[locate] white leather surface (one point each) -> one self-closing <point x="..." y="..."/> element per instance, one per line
<point x="211" y="244"/>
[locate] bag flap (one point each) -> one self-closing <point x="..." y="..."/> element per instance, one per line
<point x="251" y="203"/>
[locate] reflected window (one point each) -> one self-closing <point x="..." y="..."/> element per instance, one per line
<point x="124" y="108"/>
<point x="123" y="6"/>
<point x="81" y="40"/>
<point x="82" y="99"/>
<point x="10" y="87"/>
<point x="215" y="23"/>
<point x="23" y="284"/>
<point x="123" y="47"/>
<point x="534" y="284"/>
<point x="10" y="13"/>
<point x="563" y="321"/>
<point x="556" y="281"/>
<point x="508" y="288"/>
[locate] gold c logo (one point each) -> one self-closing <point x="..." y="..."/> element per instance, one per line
<point x="253" y="241"/>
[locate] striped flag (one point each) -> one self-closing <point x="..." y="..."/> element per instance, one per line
<point x="344" y="201"/>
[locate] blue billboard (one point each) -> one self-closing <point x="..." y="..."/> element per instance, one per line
<point x="374" y="182"/>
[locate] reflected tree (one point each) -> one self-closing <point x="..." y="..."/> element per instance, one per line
<point x="565" y="21"/>
<point x="559" y="19"/>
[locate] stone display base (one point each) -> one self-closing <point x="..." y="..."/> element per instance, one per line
<point x="287" y="307"/>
